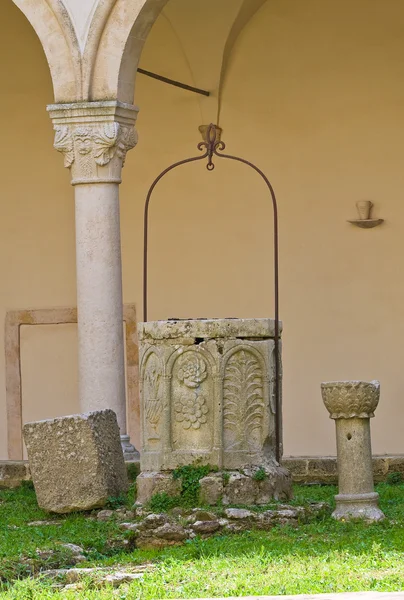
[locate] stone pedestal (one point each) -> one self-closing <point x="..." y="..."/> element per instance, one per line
<point x="352" y="404"/>
<point x="208" y="396"/>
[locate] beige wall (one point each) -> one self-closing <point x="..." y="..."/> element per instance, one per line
<point x="36" y="208"/>
<point x="48" y="371"/>
<point x="314" y="95"/>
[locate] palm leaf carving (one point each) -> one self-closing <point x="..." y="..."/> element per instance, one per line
<point x="243" y="402"/>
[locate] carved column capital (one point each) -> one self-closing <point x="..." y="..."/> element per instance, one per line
<point x="94" y="138"/>
<point x="351" y="399"/>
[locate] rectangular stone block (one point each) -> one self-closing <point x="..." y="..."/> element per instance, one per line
<point x="76" y="462"/>
<point x="13" y="473"/>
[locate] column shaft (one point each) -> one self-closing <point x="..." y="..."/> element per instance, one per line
<point x="99" y="300"/>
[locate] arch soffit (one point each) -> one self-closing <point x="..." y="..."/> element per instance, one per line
<point x="118" y="33"/>
<point x="115" y="41"/>
<point x="246" y="13"/>
<point x="52" y="24"/>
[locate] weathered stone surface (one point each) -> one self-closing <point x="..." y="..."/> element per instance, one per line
<point x="45" y="523"/>
<point x="349" y="399"/>
<point x="211" y="489"/>
<point x="206" y="526"/>
<point x="76" y="461"/>
<point x="171" y="532"/>
<point x="206" y="328"/>
<point x="239" y="513"/>
<point x="152" y="521"/>
<point x="352" y="404"/>
<point x="191" y="368"/>
<point x="150" y="483"/>
<point x="105" y="515"/>
<point x="12" y="473"/>
<point x="119" y="577"/>
<point x="202" y="515"/>
<point x="240" y="489"/>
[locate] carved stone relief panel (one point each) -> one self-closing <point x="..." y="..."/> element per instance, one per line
<point x="152" y="390"/>
<point x="243" y="402"/>
<point x="191" y="402"/>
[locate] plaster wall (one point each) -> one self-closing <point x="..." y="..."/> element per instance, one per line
<point x="314" y="95"/>
<point x="37" y="260"/>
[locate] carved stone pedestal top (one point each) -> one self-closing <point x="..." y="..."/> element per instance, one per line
<point x="351" y="399"/>
<point x="207" y="329"/>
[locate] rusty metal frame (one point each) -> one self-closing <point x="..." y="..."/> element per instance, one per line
<point x="213" y="147"/>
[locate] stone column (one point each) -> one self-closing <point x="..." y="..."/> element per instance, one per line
<point x="352" y="404"/>
<point x="94" y="138"/>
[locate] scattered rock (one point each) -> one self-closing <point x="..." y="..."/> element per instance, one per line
<point x="130" y="526"/>
<point x="171" y="532"/>
<point x="203" y="515"/>
<point x="44" y="523"/>
<point x="123" y="513"/>
<point x="152" y="521"/>
<point x="206" y="526"/>
<point x="105" y="515"/>
<point x="74" y="575"/>
<point x="120" y="577"/>
<point x="239" y="513"/>
<point x="73" y="586"/>
<point x="73" y="548"/>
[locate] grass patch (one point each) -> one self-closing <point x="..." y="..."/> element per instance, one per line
<point x="318" y="557"/>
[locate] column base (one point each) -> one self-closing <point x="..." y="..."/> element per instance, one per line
<point x="357" y="506"/>
<point x="129" y="451"/>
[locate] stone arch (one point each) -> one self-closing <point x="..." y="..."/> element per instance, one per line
<point x="52" y="24"/>
<point x="117" y="35"/>
<point x="116" y="38"/>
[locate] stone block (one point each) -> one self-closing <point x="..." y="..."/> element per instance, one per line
<point x="240" y="489"/>
<point x="323" y="470"/>
<point x="13" y="473"/>
<point x="297" y="466"/>
<point x="211" y="489"/>
<point x="149" y="483"/>
<point x="395" y="465"/>
<point x="76" y="462"/>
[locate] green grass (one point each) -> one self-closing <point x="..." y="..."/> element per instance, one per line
<point x="319" y="557"/>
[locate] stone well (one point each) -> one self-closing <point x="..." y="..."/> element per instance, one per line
<point x="208" y="396"/>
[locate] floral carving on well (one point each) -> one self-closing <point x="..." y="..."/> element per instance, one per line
<point x="191" y="406"/>
<point x="351" y="399"/>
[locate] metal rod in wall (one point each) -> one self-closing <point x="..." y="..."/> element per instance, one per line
<point x="184" y="86"/>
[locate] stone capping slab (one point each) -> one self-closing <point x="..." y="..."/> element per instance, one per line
<point x="60" y="316"/>
<point x="208" y="328"/>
